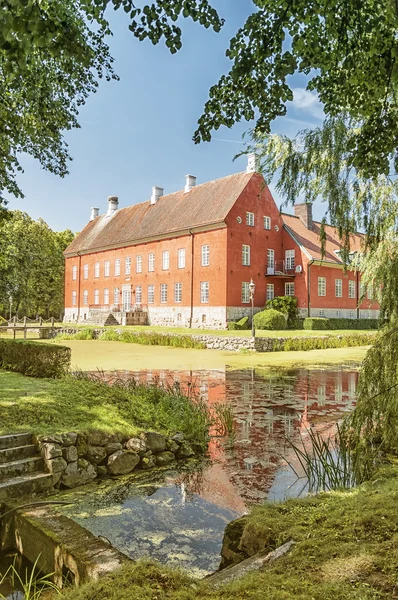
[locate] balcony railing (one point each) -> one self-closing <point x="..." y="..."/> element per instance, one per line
<point x="281" y="267"/>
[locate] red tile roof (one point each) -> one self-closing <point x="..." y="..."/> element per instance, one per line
<point x="310" y="240"/>
<point x="205" y="204"/>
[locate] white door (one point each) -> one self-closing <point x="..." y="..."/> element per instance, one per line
<point x="270" y="261"/>
<point x="126" y="298"/>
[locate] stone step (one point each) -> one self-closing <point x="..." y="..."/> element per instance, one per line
<point x="20" y="467"/>
<point x="17" y="453"/>
<point x="14" y="440"/>
<point x="26" y="484"/>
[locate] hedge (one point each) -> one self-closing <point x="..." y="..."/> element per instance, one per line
<point x="270" y="319"/>
<point x="323" y="343"/>
<point x="322" y="323"/>
<point x="34" y="358"/>
<point x="243" y="323"/>
<point x="286" y="305"/>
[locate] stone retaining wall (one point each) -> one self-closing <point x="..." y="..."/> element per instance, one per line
<point x="79" y="458"/>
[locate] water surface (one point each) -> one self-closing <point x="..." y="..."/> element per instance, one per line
<point x="178" y="516"/>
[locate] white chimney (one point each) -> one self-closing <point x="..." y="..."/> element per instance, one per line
<point x="157" y="192"/>
<point x="252" y="163"/>
<point x="190" y="182"/>
<point x="94" y="213"/>
<point x="113" y="204"/>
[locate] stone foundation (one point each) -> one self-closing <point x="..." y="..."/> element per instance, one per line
<point x="336" y="313"/>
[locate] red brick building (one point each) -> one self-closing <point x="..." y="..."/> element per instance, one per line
<point x="187" y="258"/>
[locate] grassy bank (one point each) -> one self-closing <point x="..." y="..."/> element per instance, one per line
<point x="69" y="404"/>
<point x="224" y="332"/>
<point x="346" y="547"/>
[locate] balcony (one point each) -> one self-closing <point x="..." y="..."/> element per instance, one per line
<point x="281" y="269"/>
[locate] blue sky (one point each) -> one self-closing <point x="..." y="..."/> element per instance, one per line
<point x="137" y="133"/>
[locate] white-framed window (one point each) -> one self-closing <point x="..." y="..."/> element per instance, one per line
<point x="127" y="265"/>
<point x="116" y="292"/>
<point x="250" y="219"/>
<point x="270" y="258"/>
<point x="96" y="296"/>
<point x="245" y="255"/>
<point x="107" y="268"/>
<point x="370" y="293"/>
<point x="267" y="222"/>
<point x="74" y="272"/>
<point x="321" y="286"/>
<point x="289" y="259"/>
<point x="352" y="314"/>
<point x="151" y="262"/>
<point x="338" y="288"/>
<point x="270" y="291"/>
<point x="245" y="292"/>
<point x="205" y="255"/>
<point x="204" y="291"/>
<point x="117" y="267"/>
<point x="289" y="289"/>
<point x="181" y="258"/>
<point x="165" y="260"/>
<point x="138" y="263"/>
<point x="338" y="314"/>
<point x="74" y="297"/>
<point x="97" y="269"/>
<point x="178" y="292"/>
<point x="138" y="294"/>
<point x="362" y="291"/>
<point x="85" y="271"/>
<point x="106" y="296"/>
<point x="151" y="294"/>
<point x="351" y="289"/>
<point x="85" y="297"/>
<point x="321" y="312"/>
<point x="163" y="292"/>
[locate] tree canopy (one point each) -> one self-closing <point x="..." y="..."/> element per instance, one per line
<point x="31" y="266"/>
<point x="52" y="55"/>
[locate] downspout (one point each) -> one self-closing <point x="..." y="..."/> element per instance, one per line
<point x="78" y="286"/>
<point x="309" y="287"/>
<point x="358" y="298"/>
<point x="192" y="262"/>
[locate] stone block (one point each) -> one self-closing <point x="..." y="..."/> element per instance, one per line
<point x="137" y="445"/>
<point x="172" y="446"/>
<point x="56" y="465"/>
<point x="51" y="450"/>
<point x="147" y="462"/>
<point x="156" y="442"/>
<point x="102" y="470"/>
<point x="95" y="454"/>
<point x="113" y="447"/>
<point x="70" y="454"/>
<point x="69" y="439"/>
<point x="78" y="473"/>
<point x="185" y="451"/>
<point x="163" y="458"/>
<point x="122" y="462"/>
<point x="178" y="438"/>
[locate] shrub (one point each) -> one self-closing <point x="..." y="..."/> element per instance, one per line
<point x="243" y="323"/>
<point x="3" y="321"/>
<point x="286" y="305"/>
<point x="315" y="323"/>
<point x="270" y="319"/>
<point x="34" y="359"/>
<point x="323" y="343"/>
<point x="321" y="323"/>
<point x="82" y="334"/>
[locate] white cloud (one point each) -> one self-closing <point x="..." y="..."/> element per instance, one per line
<point x="308" y="102"/>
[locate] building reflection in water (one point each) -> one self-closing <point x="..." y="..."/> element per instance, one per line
<point x="269" y="407"/>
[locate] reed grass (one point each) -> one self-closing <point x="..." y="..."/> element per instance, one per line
<point x="32" y="584"/>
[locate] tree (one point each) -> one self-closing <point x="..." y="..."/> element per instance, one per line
<point x="347" y="49"/>
<point x="52" y="55"/>
<point x="31" y="266"/>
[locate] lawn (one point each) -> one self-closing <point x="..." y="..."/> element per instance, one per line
<point x="69" y="404"/>
<point x="95" y="354"/>
<point x="346" y="548"/>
